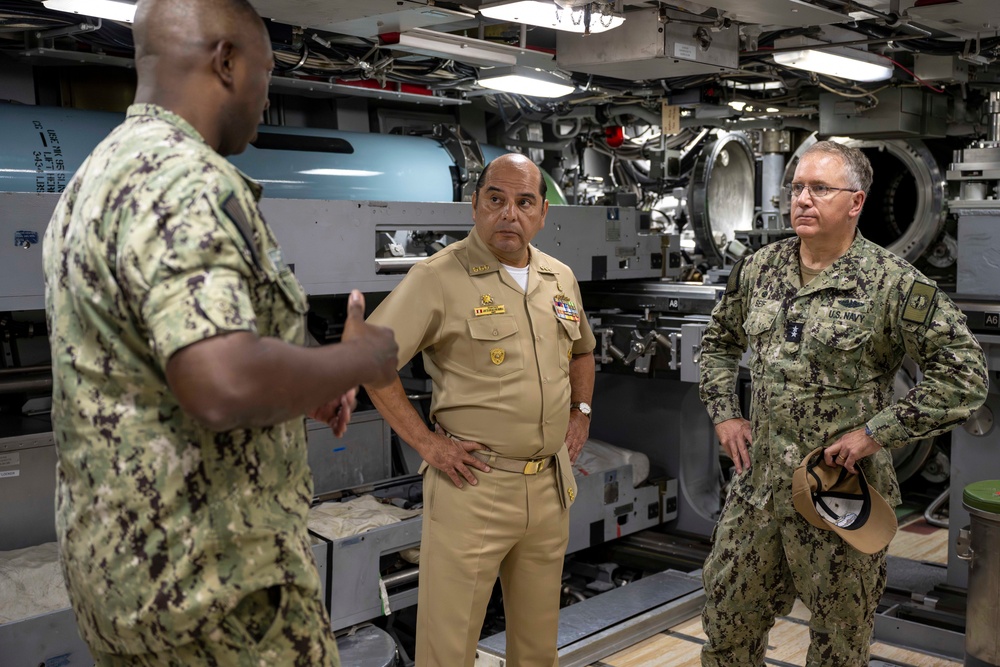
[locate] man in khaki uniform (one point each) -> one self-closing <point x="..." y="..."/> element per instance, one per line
<point x="508" y="348"/>
<point x="180" y="380"/>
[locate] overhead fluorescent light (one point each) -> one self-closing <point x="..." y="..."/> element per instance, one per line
<point x="443" y="45"/>
<point x="526" y="81"/>
<point x="547" y="14"/>
<point x="105" y="9"/>
<point x="839" y="61"/>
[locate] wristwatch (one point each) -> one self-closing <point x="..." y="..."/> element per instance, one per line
<point x="582" y="407"/>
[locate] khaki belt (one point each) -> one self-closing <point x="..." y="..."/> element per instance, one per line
<point x="523" y="466"/>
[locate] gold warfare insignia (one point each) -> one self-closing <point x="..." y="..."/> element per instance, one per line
<point x="497" y="355"/>
<point x="919" y="303"/>
<point x="487" y="300"/>
<point x="480" y="268"/>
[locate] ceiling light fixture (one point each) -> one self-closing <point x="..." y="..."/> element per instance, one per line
<point x="839" y="61"/>
<point x="444" y="45"/>
<point x="529" y="81"/>
<point x="567" y="15"/>
<point x="105" y="9"/>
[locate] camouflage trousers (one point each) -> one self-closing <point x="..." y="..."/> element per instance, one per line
<point x="279" y="626"/>
<point x="760" y="563"/>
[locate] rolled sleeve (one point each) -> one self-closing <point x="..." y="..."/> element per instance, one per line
<point x="414" y="310"/>
<point x="195" y="306"/>
<point x="587" y="341"/>
<point x="187" y="278"/>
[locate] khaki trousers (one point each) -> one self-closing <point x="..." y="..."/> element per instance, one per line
<point x="509" y="524"/>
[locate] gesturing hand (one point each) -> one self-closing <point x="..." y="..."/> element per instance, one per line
<point x="337" y="413"/>
<point x="376" y="344"/>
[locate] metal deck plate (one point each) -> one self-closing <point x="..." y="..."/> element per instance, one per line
<point x="606" y="623"/>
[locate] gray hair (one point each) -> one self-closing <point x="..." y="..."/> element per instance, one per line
<point x="859" y="169"/>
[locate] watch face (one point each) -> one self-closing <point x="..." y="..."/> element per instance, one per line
<point x="584" y="408"/>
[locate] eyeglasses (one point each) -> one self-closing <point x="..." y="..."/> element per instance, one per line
<point x="818" y="191"/>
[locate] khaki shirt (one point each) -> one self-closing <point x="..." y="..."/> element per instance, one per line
<point x="500" y="373"/>
<point x="824" y="358"/>
<point x="163" y="525"/>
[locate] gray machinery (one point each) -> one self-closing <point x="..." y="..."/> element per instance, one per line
<point x="976" y="173"/>
<point x="356" y="209"/>
<point x="649" y="331"/>
<point x="335" y="246"/>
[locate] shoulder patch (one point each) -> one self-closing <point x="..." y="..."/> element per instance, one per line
<point x="231" y="207"/>
<point x="733" y="284"/>
<point x="919" y="304"/>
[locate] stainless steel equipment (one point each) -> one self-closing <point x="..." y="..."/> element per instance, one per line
<point x="982" y="641"/>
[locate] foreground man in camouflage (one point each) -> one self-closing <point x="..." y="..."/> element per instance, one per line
<point x="828" y="317"/>
<point x="180" y="379"/>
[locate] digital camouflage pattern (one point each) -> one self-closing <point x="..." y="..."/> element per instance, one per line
<point x="823" y="360"/>
<point x="164" y="526"/>
<point x="295" y="633"/>
<point x="762" y="564"/>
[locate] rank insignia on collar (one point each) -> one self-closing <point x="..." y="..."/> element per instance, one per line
<point x="571" y="494"/>
<point x="497" y="355"/>
<point x="487" y="300"/>
<point x="565" y="309"/>
<point x="480" y="268"/>
<point x="793" y="332"/>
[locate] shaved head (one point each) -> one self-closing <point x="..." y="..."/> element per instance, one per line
<point x="209" y="61"/>
<point x="176" y="27"/>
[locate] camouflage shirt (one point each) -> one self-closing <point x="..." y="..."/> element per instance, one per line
<point x="164" y="525"/>
<point x="824" y="357"/>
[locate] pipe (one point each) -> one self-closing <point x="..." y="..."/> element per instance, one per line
<point x="31" y="385"/>
<point x="994" y="116"/>
<point x="823" y="45"/>
<point x="767" y="123"/>
<point x="25" y="370"/>
<point x="930" y="515"/>
<point x="635" y="110"/>
<point x="546" y="145"/>
<point x="401" y="578"/>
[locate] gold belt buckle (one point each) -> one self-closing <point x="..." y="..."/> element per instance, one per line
<point x="534" y="467"/>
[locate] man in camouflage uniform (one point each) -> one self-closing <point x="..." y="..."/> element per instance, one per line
<point x="180" y="379"/>
<point x="828" y="317"/>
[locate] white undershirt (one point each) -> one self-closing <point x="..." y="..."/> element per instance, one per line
<point x="519" y="274"/>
